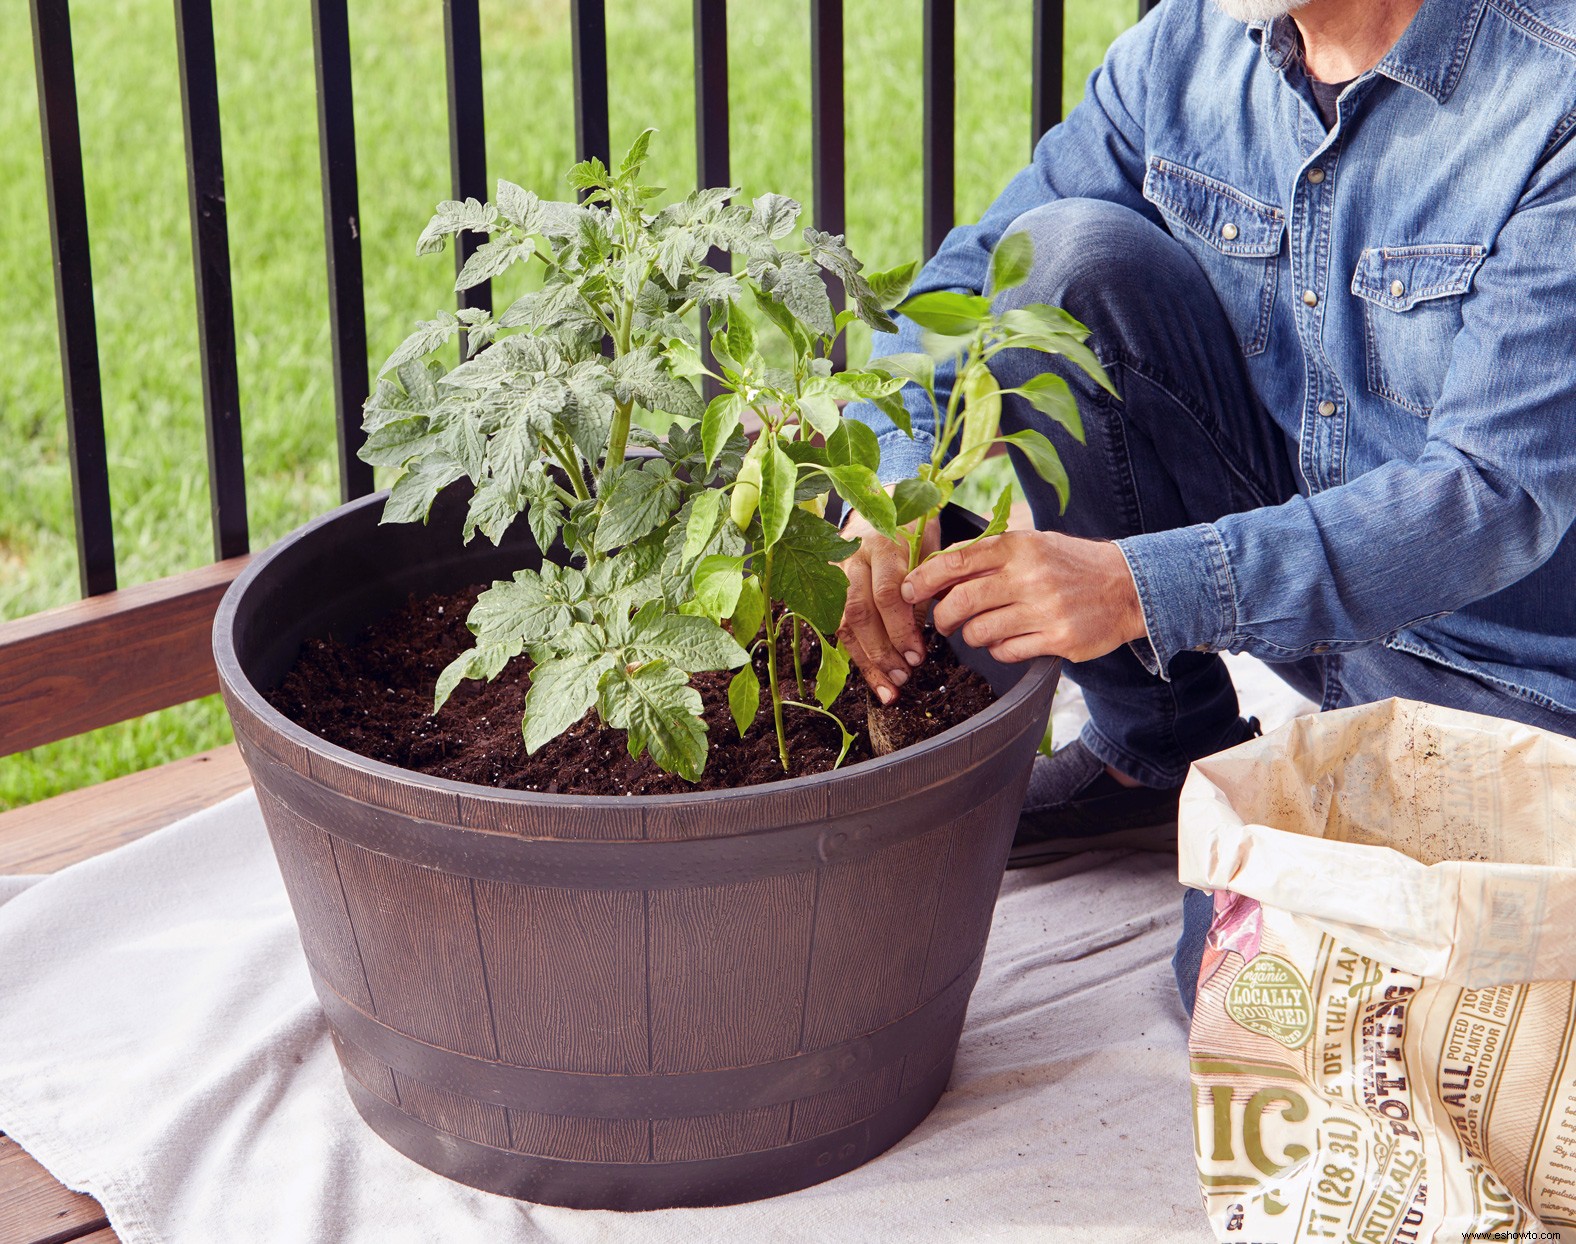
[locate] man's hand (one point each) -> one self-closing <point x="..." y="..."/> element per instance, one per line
<point x="879" y="628"/>
<point x="1033" y="593"/>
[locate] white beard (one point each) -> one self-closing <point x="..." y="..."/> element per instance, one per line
<point x="1257" y="10"/>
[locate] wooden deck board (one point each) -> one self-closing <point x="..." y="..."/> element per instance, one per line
<point x="47" y="836"/>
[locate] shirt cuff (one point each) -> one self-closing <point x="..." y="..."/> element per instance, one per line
<point x="902" y="455"/>
<point x="1184" y="585"/>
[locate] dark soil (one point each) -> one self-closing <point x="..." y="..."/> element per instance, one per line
<point x="373" y="696"/>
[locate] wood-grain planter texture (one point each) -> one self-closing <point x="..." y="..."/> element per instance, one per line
<point x="621" y="1003"/>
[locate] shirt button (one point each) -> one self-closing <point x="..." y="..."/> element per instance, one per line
<point x="1397" y="289"/>
<point x="1327" y="408"/>
<point x="1228" y="231"/>
<point x="1316" y="175"/>
<point x="1311" y="298"/>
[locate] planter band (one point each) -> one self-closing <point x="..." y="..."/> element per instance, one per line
<point x="641" y="1185"/>
<point x="624" y="864"/>
<point x="693" y="1094"/>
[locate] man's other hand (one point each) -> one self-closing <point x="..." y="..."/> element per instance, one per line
<point x="1029" y="594"/>
<point x="879" y="628"/>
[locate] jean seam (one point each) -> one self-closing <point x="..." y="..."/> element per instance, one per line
<point x="1121" y="759"/>
<point x="1169" y="386"/>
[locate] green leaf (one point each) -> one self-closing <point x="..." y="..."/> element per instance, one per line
<point x="490" y="259"/>
<point x="396" y="443"/>
<point x="718" y="423"/>
<point x="491" y="512"/>
<point x="894" y="409"/>
<point x="832" y="677"/>
<point x="914" y="498"/>
<point x="750" y="612"/>
<point x="691" y="644"/>
<point x="854" y="444"/>
<point x="563" y="689"/>
<point x="741" y="334"/>
<point x="832" y="253"/>
<point x="704" y="509"/>
<point x="532" y="607"/>
<point x="640" y="376"/>
<point x="947" y="313"/>
<point x="718" y="582"/>
<point x="429" y="335"/>
<point x="1042" y="456"/>
<point x="859" y="486"/>
<point x="520" y="207"/>
<point x="890" y="286"/>
<point x="1040" y="326"/>
<point x="779" y="478"/>
<point x="820" y="411"/>
<point x="415" y="491"/>
<point x="641" y="500"/>
<point x="1011" y="262"/>
<point x="805" y="576"/>
<point x="660" y="711"/>
<point x="452" y="217"/>
<point x="797" y="284"/>
<point x="546" y="514"/>
<point x="775" y="215"/>
<point x="635" y="157"/>
<point x="1000" y="515"/>
<point x="1049" y="394"/>
<point x="479" y="662"/>
<point x="919" y="368"/>
<point x="744" y="698"/>
<point x="588" y="175"/>
<point x="981" y="419"/>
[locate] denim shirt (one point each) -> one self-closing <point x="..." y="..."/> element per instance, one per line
<point x="1404" y="288"/>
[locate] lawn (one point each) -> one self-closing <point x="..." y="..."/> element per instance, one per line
<point x="129" y="99"/>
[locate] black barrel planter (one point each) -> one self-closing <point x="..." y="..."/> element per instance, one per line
<point x="619" y="1003"/>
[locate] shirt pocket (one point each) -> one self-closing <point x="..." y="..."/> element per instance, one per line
<point x="1234" y="237"/>
<point x="1411" y="299"/>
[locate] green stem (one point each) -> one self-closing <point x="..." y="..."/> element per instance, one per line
<point x="567" y="460"/>
<point x="798" y="665"/>
<point x="771" y="665"/>
<point x="617" y="442"/>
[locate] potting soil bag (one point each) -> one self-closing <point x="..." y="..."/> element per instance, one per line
<point x="1384" y="1043"/>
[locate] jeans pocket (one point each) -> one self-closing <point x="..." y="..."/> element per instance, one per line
<point x="1235" y="238"/>
<point x="1411" y="315"/>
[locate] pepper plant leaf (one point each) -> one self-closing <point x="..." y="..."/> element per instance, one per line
<point x="947" y="313"/>
<point x="859" y="486"/>
<point x="832" y="677"/>
<point x="913" y="498"/>
<point x="1049" y="394"/>
<point x="805" y="576"/>
<point x="779" y="480"/>
<point x="744" y="698"/>
<point x="718" y="582"/>
<point x="1011" y="262"/>
<point x="1042" y="456"/>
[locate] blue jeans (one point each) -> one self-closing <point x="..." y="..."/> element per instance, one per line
<point x="1188" y="442"/>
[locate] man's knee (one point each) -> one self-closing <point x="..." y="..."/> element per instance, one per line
<point x="1085" y="251"/>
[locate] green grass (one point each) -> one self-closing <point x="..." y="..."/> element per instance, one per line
<point x="129" y="99"/>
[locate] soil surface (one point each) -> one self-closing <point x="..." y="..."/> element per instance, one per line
<point x="373" y="696"/>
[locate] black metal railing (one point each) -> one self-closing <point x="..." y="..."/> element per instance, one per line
<point x="468" y="162"/>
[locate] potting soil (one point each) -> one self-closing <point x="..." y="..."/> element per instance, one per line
<point x="372" y="694"/>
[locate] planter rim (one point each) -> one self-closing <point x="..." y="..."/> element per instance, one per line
<point x="235" y="682"/>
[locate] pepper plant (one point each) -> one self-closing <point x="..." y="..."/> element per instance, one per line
<point x="700" y="546"/>
<point x="964" y="329"/>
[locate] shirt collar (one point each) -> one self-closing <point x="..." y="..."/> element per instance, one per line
<point x="1428" y="57"/>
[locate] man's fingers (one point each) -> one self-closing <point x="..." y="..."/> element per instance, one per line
<point x="953" y="566"/>
<point x="971" y="597"/>
<point x="994" y="627"/>
<point x="897" y="615"/>
<point x="865" y="637"/>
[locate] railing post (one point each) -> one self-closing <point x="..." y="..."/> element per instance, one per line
<point x="462" y="40"/>
<point x="74" y="315"/>
<point x="940" y="122"/>
<point x="1050" y="20"/>
<point x="211" y="263"/>
<point x="347" y="315"/>
<point x="588" y="40"/>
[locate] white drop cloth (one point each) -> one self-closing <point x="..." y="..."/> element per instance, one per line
<point x="160" y="1048"/>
